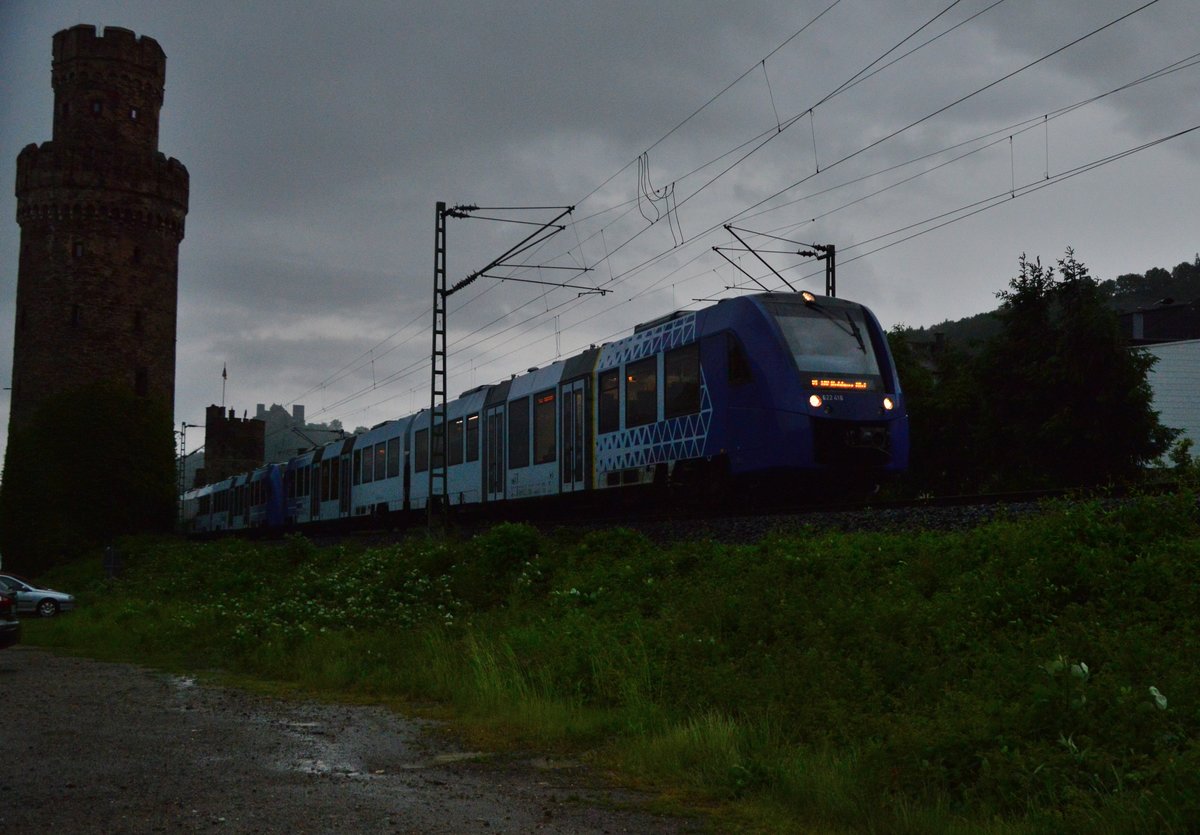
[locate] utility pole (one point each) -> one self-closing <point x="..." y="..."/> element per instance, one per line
<point x="438" y="458"/>
<point x="183" y="428"/>
<point x="822" y="252"/>
<point x="828" y="254"/>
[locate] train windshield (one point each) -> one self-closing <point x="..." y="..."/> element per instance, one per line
<point x="832" y="345"/>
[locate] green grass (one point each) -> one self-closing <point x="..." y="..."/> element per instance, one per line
<point x="996" y="680"/>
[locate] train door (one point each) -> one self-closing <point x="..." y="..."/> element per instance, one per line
<point x="344" y="491"/>
<point x="573" y="428"/>
<point x="314" y="487"/>
<point x="493" y="452"/>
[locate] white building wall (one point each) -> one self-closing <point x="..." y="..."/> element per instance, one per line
<point x="1175" y="381"/>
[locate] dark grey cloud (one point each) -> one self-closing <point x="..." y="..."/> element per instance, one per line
<point x="319" y="136"/>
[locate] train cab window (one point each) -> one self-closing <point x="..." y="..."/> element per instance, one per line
<point x="356" y="468"/>
<point x="737" y="362"/>
<point x="472" y="432"/>
<point x="381" y="461"/>
<point x="454" y="442"/>
<point x="421" y="443"/>
<point x="518" y="433"/>
<point x="681" y="381"/>
<point x="641" y="392"/>
<point x="393" y="457"/>
<point x="543" y="428"/>
<point x="609" y="405"/>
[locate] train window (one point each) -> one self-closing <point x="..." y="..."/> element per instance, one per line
<point x="681" y="381"/>
<point x="609" y="401"/>
<point x="439" y="449"/>
<point x="381" y="461"/>
<point x="518" y="433"/>
<point x="472" y="437"/>
<point x="368" y="466"/>
<point x="828" y="340"/>
<point x="454" y="442"/>
<point x="738" y="363"/>
<point x="393" y="457"/>
<point x="641" y="392"/>
<point x="356" y="468"/>
<point x="543" y="428"/>
<point x="422" y="451"/>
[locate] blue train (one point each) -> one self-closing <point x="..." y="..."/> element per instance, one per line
<point x="790" y="391"/>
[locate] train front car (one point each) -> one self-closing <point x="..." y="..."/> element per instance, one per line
<point x="810" y="394"/>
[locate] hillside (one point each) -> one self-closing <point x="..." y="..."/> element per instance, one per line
<point x="1126" y="293"/>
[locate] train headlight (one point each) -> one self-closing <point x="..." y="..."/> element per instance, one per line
<point x="888" y="404"/>
<point x="815" y="401"/>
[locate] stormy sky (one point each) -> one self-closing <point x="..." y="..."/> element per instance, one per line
<point x="931" y="141"/>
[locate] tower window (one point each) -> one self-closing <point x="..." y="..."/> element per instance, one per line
<point x="75" y="315"/>
<point x="77" y="249"/>
<point x="133" y="114"/>
<point x="97" y="108"/>
<point x="141" y="381"/>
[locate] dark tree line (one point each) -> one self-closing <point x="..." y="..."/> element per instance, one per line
<point x="93" y="465"/>
<point x="1054" y="399"/>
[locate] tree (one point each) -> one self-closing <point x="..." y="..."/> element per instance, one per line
<point x="93" y="465"/>
<point x="943" y="403"/>
<point x="1068" y="402"/>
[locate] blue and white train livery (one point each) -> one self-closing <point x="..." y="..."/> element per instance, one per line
<point x="790" y="391"/>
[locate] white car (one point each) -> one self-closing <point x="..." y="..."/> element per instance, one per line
<point x="32" y="599"/>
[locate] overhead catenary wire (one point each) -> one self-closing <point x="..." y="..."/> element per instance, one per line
<point x="618" y="277"/>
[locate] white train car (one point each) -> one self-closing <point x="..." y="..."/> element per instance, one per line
<point x="298" y="489"/>
<point x="464" y="468"/>
<point x="377" y="468"/>
<point x="331" y="480"/>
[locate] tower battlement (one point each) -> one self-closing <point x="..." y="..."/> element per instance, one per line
<point x="115" y="44"/>
<point x="108" y="90"/>
<point x="44" y="170"/>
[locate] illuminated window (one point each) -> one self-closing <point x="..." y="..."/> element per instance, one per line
<point x="381" y="461"/>
<point x="473" y="437"/>
<point x="641" y="392"/>
<point x="543" y="428"/>
<point x="454" y="442"/>
<point x="610" y="401"/>
<point x="518" y="433"/>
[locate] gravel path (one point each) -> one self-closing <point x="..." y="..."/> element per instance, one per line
<point x="87" y="746"/>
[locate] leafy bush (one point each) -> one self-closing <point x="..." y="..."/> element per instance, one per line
<point x="1028" y="675"/>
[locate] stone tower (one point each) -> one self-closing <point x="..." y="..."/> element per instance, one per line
<point x="101" y="212"/>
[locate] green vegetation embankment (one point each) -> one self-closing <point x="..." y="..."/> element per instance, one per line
<point x="1031" y="675"/>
